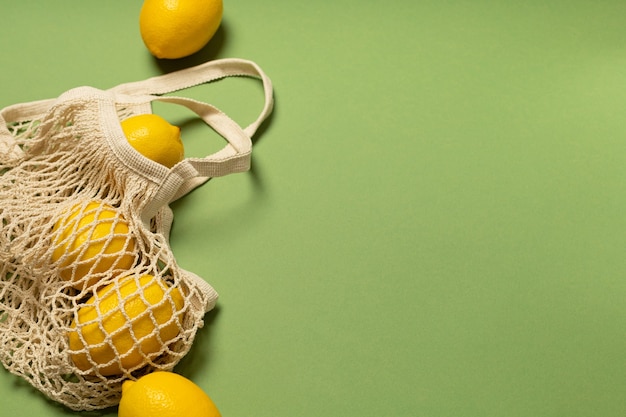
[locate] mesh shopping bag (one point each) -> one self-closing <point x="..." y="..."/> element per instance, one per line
<point x="90" y="292"/>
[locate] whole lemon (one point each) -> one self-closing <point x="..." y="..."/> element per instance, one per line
<point x="178" y="28"/>
<point x="155" y="138"/>
<point x="124" y="324"/>
<point x="165" y="394"/>
<point x="89" y="240"/>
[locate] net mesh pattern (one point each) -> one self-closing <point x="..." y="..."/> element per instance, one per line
<point x="61" y="163"/>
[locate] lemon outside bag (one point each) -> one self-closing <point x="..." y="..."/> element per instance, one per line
<point x="59" y="156"/>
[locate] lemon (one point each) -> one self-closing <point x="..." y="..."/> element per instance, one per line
<point x="124" y="324"/>
<point x="155" y="138"/>
<point x="165" y="394"/>
<point x="178" y="28"/>
<point x="90" y="240"/>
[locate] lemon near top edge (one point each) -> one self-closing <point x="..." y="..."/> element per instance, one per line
<point x="165" y="394"/>
<point x="174" y="29"/>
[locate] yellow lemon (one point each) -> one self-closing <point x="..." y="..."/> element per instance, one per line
<point x="178" y="28"/>
<point x="124" y="324"/>
<point x="165" y="394"/>
<point x="90" y="240"/>
<point x="155" y="138"/>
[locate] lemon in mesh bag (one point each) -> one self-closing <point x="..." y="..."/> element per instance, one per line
<point x="125" y="324"/>
<point x="91" y="239"/>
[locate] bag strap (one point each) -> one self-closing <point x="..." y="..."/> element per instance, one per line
<point x="190" y="173"/>
<point x="202" y="74"/>
<point x="234" y="157"/>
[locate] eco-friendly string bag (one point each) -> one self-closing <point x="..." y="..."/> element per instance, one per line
<point x="85" y="226"/>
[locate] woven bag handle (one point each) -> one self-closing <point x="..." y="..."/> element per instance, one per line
<point x="163" y="84"/>
<point x="202" y="74"/>
<point x="192" y="172"/>
<point x="234" y="157"/>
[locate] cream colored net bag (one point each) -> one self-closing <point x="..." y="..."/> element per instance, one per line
<point x="90" y="292"/>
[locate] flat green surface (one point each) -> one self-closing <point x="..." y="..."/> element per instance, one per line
<point x="435" y="222"/>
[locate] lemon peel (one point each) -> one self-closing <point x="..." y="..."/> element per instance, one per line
<point x="155" y="138"/>
<point x="165" y="394"/>
<point x="105" y="338"/>
<point x="178" y="28"/>
<point x="91" y="240"/>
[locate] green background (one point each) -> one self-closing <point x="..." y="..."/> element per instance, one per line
<point x="434" y="223"/>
